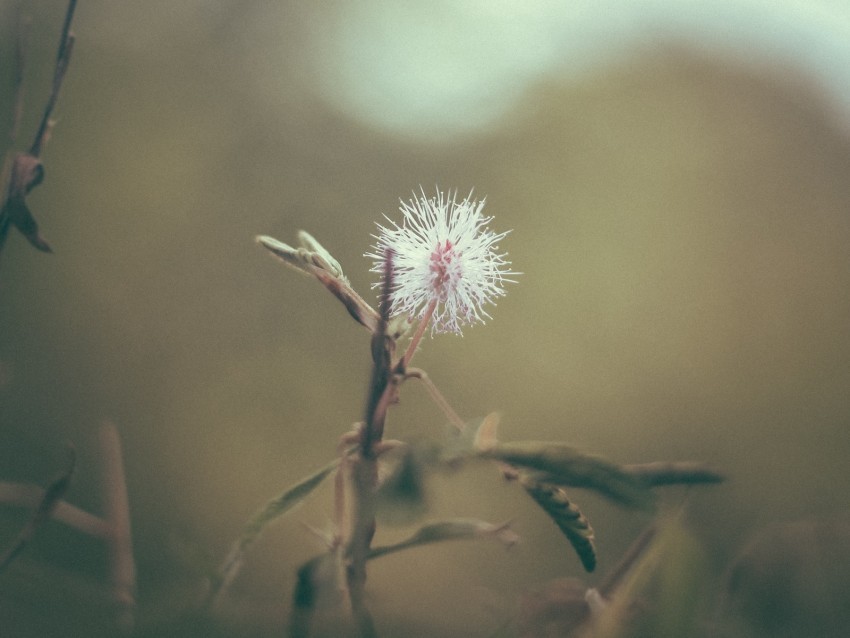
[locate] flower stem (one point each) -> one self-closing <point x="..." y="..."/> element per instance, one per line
<point x="417" y="337"/>
<point x="436" y="396"/>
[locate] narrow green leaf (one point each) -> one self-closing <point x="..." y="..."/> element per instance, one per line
<point x="450" y="530"/>
<point x="563" y="465"/>
<point x="673" y="473"/>
<point x="567" y="517"/>
<point x="272" y="510"/>
<point x="312" y="259"/>
<point x="319" y="255"/>
<point x="290" y="256"/>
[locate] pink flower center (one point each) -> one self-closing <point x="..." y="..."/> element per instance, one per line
<point x="444" y="267"/>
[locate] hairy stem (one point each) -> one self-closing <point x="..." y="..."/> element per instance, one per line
<point x="364" y="467"/>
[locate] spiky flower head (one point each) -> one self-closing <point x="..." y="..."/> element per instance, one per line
<point x="443" y="253"/>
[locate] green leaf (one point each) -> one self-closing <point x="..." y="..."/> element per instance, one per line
<point x="292" y="257"/>
<point x="673" y="473"/>
<point x="450" y="530"/>
<point x="563" y="465"/>
<point x="567" y="517"/>
<point x="272" y="510"/>
<point x="319" y="255"/>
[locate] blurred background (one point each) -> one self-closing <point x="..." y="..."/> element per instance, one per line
<point x="676" y="178"/>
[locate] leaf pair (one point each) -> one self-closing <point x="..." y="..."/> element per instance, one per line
<point x="311" y="258"/>
<point x="272" y="510"/>
<point x="547" y="467"/>
<point x="455" y="529"/>
<point x="560" y="464"/>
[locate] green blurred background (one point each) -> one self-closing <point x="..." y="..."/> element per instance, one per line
<point x="676" y="178"/>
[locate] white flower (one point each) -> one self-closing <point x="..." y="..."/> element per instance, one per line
<point x="443" y="254"/>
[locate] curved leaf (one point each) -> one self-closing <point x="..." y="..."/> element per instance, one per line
<point x="450" y="530"/>
<point x="567" y="517"/>
<point x="673" y="473"/>
<point x="272" y="510"/>
<point x="563" y="465"/>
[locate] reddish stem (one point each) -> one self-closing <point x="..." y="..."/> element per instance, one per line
<point x="417" y="337"/>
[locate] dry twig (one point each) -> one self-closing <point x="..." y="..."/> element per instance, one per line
<point x="46" y="506"/>
<point x="25" y="170"/>
<point x="114" y="528"/>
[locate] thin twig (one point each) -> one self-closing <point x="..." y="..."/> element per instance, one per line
<point x="635" y="551"/>
<point x="17" y="115"/>
<point x="42" y="513"/>
<point x="122" y="565"/>
<point x="27" y="495"/>
<point x="436" y="396"/>
<point x="339" y="499"/>
<point x="63" y="59"/>
<point x="417" y="336"/>
<point x="24" y="171"/>
<point x="20" y="68"/>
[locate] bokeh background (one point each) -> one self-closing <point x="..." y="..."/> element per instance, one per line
<point x="676" y="178"/>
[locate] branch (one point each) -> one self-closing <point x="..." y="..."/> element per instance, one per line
<point x="114" y="529"/>
<point x="122" y="565"/>
<point x="311" y="258"/>
<point x="364" y="468"/>
<point x="42" y="513"/>
<point x="25" y="170"/>
<point x="29" y="496"/>
<point x="20" y="67"/>
<point x="436" y="396"/>
<point x="63" y="59"/>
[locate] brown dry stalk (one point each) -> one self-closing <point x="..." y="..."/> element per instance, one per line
<point x="43" y="512"/>
<point x="24" y="171"/>
<point x="117" y="506"/>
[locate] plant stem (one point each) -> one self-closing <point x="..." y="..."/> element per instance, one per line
<point x="417" y="337"/>
<point x="364" y="477"/>
<point x="364" y="466"/>
<point x="436" y="396"/>
<point x="122" y="564"/>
